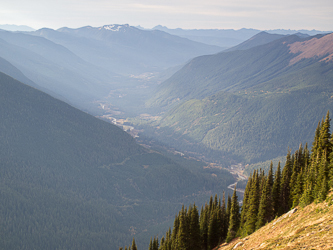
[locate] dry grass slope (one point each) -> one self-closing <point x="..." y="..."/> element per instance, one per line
<point x="311" y="48"/>
<point x="302" y="228"/>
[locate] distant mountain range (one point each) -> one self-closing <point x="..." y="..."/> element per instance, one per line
<point x="86" y="65"/>
<point x="13" y="27"/>
<point x="249" y="102"/>
<point x="127" y="50"/>
<point x="227" y="38"/>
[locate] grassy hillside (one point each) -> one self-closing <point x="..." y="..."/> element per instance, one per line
<point x="71" y="181"/>
<point x="301" y="228"/>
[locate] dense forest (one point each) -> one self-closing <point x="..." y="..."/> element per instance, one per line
<point x="306" y="177"/>
<point x="71" y="181"/>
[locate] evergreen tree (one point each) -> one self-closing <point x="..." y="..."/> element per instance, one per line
<point x="269" y="186"/>
<point x="182" y="236"/>
<point x="323" y="191"/>
<point x="234" y="217"/>
<point x="298" y="189"/>
<point x="285" y="202"/>
<point x="321" y="187"/>
<point x="330" y="170"/>
<point x="150" y="247"/>
<point x="253" y="205"/>
<point x="175" y="232"/>
<point x="134" y="245"/>
<point x="194" y="237"/>
<point x="213" y="233"/>
<point x="308" y="189"/>
<point x="245" y="206"/>
<point x="276" y="190"/>
<point x="264" y="213"/>
<point x="204" y="221"/>
<point x="224" y="229"/>
<point x="325" y="136"/>
<point x="228" y="210"/>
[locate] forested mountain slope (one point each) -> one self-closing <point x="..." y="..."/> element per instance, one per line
<point x="252" y="103"/>
<point x="71" y="181"/>
<point x="293" y="190"/>
<point x="240" y="70"/>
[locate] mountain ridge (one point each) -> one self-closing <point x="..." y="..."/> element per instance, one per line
<point x="223" y="100"/>
<point x="133" y="43"/>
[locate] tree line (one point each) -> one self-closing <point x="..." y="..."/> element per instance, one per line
<point x="306" y="177"/>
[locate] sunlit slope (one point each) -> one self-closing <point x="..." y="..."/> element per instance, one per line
<point x="302" y="228"/>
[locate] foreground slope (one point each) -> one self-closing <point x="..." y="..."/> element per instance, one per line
<point x="252" y="103"/>
<point x="301" y="228"/>
<point x="71" y="181"/>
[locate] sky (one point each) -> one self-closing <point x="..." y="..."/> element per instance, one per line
<point x="186" y="14"/>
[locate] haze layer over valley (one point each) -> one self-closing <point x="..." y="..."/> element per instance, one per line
<point x="201" y="104"/>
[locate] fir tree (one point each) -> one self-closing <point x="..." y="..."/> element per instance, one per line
<point x="322" y="177"/>
<point x="325" y="136"/>
<point x="276" y="190"/>
<point x="175" y="232"/>
<point x="150" y="247"/>
<point x="308" y="189"/>
<point x="234" y="217"/>
<point x="194" y="229"/>
<point x="253" y="205"/>
<point x="182" y="235"/>
<point x="323" y="191"/>
<point x="264" y="213"/>
<point x="134" y="245"/>
<point x="298" y="189"/>
<point x="330" y="170"/>
<point x="228" y="210"/>
<point x="285" y="202"/>
<point x="213" y="232"/>
<point x="224" y="229"/>
<point x="204" y="221"/>
<point x="245" y="206"/>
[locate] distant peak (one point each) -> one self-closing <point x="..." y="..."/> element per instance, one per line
<point x="115" y="27"/>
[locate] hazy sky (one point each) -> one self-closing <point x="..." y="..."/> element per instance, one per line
<point x="188" y="14"/>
